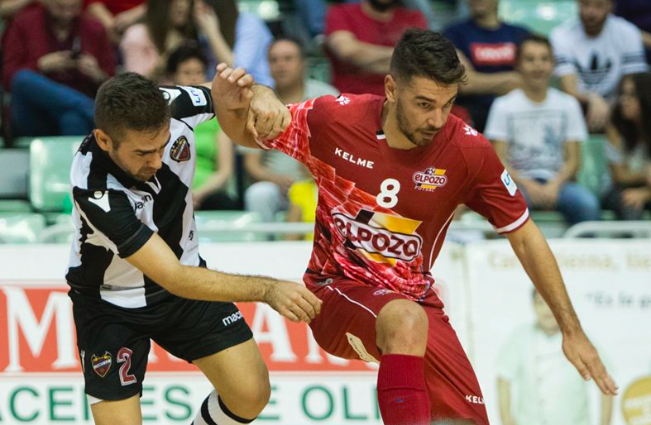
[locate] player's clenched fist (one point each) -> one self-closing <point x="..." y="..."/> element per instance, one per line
<point x="232" y="87"/>
<point x="293" y="301"/>
<point x="268" y="117"/>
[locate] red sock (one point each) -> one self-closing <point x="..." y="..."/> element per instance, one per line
<point x="401" y="390"/>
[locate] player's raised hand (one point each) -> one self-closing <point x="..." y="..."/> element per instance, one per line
<point x="232" y="87"/>
<point x="293" y="301"/>
<point x="579" y="350"/>
<point x="268" y="117"/>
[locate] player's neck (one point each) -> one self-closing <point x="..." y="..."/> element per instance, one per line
<point x="395" y="139"/>
<point x="291" y="94"/>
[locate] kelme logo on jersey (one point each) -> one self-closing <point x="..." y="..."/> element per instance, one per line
<point x="430" y="179"/>
<point x="180" y="151"/>
<point x="102" y="364"/>
<point x="381" y="237"/>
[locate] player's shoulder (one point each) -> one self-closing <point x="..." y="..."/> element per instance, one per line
<point x="470" y="143"/>
<point x="346" y="108"/>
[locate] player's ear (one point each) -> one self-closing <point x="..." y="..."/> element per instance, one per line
<point x="103" y="140"/>
<point x="390" y="88"/>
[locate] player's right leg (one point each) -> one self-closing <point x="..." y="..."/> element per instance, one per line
<point x="113" y="355"/>
<point x="123" y="412"/>
<point x="373" y="324"/>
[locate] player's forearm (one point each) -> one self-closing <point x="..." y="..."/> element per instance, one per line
<point x="203" y="284"/>
<point x="233" y="124"/>
<point x="538" y="261"/>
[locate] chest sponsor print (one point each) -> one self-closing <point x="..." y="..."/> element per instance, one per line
<point x="430" y="179"/>
<point x="380" y="237"/>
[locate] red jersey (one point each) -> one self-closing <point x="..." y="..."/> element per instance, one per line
<point x="383" y="213"/>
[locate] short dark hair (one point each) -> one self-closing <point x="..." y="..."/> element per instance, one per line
<point x="291" y="39"/>
<point x="186" y="51"/>
<point x="532" y="38"/>
<point x="130" y="101"/>
<point x="428" y="54"/>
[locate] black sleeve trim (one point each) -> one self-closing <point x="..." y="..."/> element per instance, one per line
<point x="135" y="242"/>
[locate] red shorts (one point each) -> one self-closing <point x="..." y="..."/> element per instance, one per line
<point x="346" y="328"/>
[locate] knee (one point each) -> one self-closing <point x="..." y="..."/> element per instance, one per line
<point x="251" y="398"/>
<point x="402" y="328"/>
<point x="257" y="398"/>
<point x="22" y="81"/>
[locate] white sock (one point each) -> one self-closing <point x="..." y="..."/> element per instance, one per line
<point x="213" y="411"/>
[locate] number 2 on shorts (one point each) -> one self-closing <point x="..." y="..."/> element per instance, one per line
<point x="388" y="196"/>
<point x="124" y="356"/>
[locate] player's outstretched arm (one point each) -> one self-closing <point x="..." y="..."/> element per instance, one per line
<point x="156" y="260"/>
<point x="538" y="261"/>
<point x="247" y="113"/>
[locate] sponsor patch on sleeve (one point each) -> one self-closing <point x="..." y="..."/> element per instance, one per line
<point x="197" y="96"/>
<point x="509" y="183"/>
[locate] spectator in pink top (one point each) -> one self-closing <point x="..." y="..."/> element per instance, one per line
<point x="360" y="40"/>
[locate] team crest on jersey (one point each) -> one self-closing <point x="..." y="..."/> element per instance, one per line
<point x="430" y="179"/>
<point x="102" y="364"/>
<point x="180" y="151"/>
<point x="382" y="238"/>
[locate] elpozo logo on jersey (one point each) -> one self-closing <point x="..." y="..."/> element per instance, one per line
<point x="180" y="151"/>
<point x="381" y="237"/>
<point x="430" y="179"/>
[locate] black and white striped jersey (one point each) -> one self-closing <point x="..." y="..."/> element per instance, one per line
<point x="115" y="215"/>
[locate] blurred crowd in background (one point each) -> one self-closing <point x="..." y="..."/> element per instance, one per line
<point x="556" y="85"/>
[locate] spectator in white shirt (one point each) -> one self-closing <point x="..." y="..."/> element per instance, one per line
<point x="537" y="131"/>
<point x="593" y="53"/>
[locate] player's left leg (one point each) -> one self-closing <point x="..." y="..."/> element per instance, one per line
<point x="215" y="337"/>
<point x="402" y="328"/>
<point x="241" y="382"/>
<point x="454" y="392"/>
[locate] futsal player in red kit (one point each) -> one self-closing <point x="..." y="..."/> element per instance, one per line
<point x="391" y="172"/>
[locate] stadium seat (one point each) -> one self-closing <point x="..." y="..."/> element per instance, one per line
<point x="267" y="10"/>
<point x="540" y="16"/>
<point x="594" y="173"/>
<point x="20" y="228"/>
<point x="14" y="206"/>
<point x="49" y="175"/>
<point x="227" y="226"/>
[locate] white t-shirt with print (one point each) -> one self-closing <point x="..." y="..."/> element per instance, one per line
<point x="599" y="62"/>
<point x="536" y="132"/>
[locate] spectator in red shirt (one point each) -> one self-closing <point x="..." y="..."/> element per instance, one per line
<point x="54" y="61"/>
<point x="360" y="41"/>
<point x="117" y="15"/>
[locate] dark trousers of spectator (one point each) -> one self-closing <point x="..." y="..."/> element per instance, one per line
<point x="42" y="107"/>
<point x="575" y="202"/>
<point x="613" y="201"/>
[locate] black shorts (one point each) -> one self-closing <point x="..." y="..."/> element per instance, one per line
<point x="114" y="342"/>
